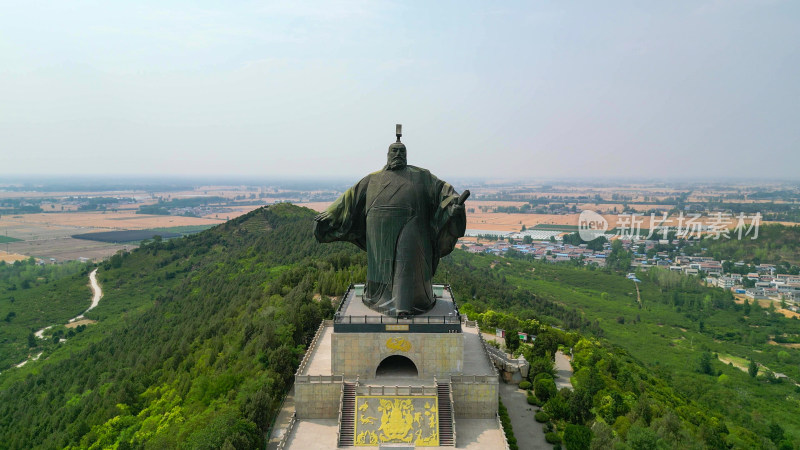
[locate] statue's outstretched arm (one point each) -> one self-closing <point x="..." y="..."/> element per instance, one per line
<point x="342" y="221"/>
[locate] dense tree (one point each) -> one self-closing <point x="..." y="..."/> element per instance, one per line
<point x="704" y="363"/>
<point x="752" y="368"/>
<point x="577" y="437"/>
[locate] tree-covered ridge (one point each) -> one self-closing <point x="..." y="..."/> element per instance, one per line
<point x="214" y="325"/>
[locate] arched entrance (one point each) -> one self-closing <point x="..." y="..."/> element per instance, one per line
<point x="396" y="366"/>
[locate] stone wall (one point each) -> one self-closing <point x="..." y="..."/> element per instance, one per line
<point x="475" y="400"/>
<point x="434" y="354"/>
<point x="317" y="400"/>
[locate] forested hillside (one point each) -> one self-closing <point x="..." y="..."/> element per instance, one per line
<point x="712" y="370"/>
<point x="197" y="339"/>
<point x="196" y="343"/>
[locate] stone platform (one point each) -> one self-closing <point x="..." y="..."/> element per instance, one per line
<point x="320" y="434"/>
<point x="427" y="367"/>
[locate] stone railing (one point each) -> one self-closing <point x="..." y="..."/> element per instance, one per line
<point x="339" y="319"/>
<point x="506" y="361"/>
<point x="285" y="438"/>
<point x="344" y="298"/>
<point x="488" y="353"/>
<point x="396" y="390"/>
<point x="474" y="379"/>
<point x="339" y="422"/>
<point x="318" y="379"/>
<point x="452" y="413"/>
<point x="502" y="430"/>
<point x="312" y="346"/>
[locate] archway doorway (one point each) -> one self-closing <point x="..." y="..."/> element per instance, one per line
<point x="396" y="366"/>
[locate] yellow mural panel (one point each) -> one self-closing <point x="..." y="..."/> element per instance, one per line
<point x="397" y="419"/>
<point x="400" y="344"/>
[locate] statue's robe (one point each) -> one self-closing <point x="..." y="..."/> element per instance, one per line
<point x="405" y="219"/>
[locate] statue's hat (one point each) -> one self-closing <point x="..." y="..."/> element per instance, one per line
<point x="398" y="133"/>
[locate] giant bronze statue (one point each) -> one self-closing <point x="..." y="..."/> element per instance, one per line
<point x="405" y="219"/>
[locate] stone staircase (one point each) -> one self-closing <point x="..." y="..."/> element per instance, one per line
<point x="446" y="431"/>
<point x="348" y="415"/>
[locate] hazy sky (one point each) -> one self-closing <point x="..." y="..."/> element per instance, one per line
<point x="518" y="89"/>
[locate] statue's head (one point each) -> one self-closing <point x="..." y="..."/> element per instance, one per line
<point x="396" y="157"/>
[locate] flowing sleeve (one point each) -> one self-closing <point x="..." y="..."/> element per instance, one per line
<point x="345" y="220"/>
<point x="449" y="222"/>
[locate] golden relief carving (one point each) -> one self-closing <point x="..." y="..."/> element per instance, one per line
<point x="398" y="343"/>
<point x="410" y="419"/>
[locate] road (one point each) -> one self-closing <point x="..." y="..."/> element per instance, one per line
<point x="564" y="371"/>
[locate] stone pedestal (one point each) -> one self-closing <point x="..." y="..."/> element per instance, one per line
<point x="373" y="372"/>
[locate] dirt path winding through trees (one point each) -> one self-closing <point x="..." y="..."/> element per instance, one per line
<point x="97" y="293"/>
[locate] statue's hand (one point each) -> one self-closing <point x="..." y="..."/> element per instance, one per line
<point x="458" y="208"/>
<point x="323" y="216"/>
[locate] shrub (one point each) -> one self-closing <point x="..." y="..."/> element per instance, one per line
<point x="525" y="384"/>
<point x="542" y="417"/>
<point x="545" y="388"/>
<point x="532" y="400"/>
<point x="552" y="438"/>
<point x="542" y="375"/>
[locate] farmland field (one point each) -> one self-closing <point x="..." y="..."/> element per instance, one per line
<point x="124" y="236"/>
<point x="492" y="208"/>
<point x="11" y="257"/>
<point x="140" y="235"/>
<point x="50" y="235"/>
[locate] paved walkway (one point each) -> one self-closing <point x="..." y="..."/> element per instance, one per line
<point x="476" y="361"/>
<point x="564" y="371"/>
<point x="319" y="362"/>
<point x="529" y="432"/>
